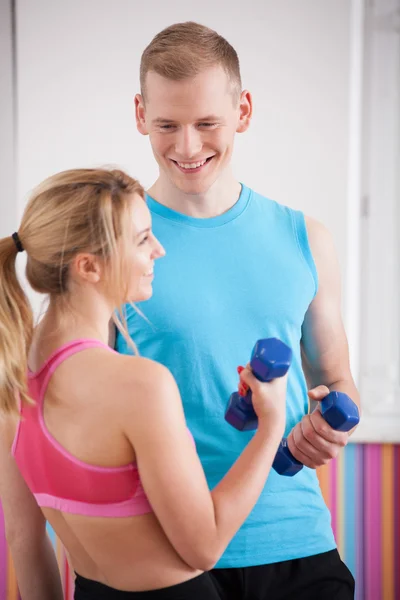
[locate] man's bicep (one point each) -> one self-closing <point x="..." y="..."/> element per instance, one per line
<point x="324" y="346"/>
<point x="324" y="342"/>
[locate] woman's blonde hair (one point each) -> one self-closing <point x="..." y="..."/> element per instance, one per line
<point x="80" y="210"/>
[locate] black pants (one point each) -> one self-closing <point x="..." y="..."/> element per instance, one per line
<point x="199" y="588"/>
<point x="320" y="577"/>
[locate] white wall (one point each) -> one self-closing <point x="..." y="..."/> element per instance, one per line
<point x="8" y="206"/>
<point x="379" y="379"/>
<point x="78" y="68"/>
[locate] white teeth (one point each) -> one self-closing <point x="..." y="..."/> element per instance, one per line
<point x="150" y="272"/>
<point x="192" y="165"/>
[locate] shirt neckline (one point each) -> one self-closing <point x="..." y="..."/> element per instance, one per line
<point x="173" y="215"/>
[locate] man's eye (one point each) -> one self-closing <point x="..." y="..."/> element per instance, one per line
<point x="167" y="127"/>
<point x="208" y="125"/>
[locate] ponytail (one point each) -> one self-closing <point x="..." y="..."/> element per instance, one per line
<point x="16" y="327"/>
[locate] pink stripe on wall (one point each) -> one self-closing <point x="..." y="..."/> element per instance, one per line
<point x="373" y="528"/>
<point x="396" y="520"/>
<point x="359" y="530"/>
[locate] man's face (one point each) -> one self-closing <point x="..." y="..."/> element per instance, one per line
<point x="192" y="125"/>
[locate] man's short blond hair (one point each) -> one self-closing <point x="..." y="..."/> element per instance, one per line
<point x="183" y="50"/>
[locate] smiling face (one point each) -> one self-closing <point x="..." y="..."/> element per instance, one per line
<point x="192" y="125"/>
<point x="141" y="253"/>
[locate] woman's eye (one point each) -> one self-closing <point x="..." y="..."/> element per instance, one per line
<point x="143" y="240"/>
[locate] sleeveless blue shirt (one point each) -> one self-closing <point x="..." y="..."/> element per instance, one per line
<point x="224" y="283"/>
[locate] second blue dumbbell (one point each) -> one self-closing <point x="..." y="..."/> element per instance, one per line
<point x="270" y="359"/>
<point x="339" y="411"/>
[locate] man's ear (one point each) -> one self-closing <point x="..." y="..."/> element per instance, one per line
<point x="140" y="113"/>
<point x="87" y="267"/>
<point x="246" y="111"/>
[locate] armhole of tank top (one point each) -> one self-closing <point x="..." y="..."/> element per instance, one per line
<point x="300" y="232"/>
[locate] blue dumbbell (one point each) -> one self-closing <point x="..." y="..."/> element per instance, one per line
<point x="270" y="359"/>
<point x="339" y="411"/>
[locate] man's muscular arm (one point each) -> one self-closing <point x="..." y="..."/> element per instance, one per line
<point x="325" y="355"/>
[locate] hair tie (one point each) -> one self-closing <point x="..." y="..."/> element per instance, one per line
<point x="17" y="242"/>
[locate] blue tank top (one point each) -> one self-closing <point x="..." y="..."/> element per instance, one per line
<point x="224" y="283"/>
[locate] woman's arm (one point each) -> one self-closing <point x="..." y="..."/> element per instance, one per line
<point x="198" y="523"/>
<point x="34" y="558"/>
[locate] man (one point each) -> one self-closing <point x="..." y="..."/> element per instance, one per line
<point x="240" y="267"/>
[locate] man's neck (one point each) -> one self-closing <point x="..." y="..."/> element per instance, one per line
<point x="222" y="195"/>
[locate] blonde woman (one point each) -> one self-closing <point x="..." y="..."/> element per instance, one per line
<point x="96" y="442"/>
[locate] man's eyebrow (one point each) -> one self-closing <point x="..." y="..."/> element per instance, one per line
<point x="210" y="118"/>
<point x="160" y="121"/>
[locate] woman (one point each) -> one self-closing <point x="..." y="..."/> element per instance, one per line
<point x="102" y="446"/>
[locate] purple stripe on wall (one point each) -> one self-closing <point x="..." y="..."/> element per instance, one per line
<point x="359" y="525"/>
<point x="396" y="521"/>
<point x="373" y="534"/>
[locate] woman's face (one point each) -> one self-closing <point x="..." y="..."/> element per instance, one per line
<point x="141" y="253"/>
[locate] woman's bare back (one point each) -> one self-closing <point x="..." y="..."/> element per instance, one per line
<point x="82" y="413"/>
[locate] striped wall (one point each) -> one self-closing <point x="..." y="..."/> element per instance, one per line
<point x="362" y="490"/>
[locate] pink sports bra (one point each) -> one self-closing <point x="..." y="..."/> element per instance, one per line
<point x="55" y="477"/>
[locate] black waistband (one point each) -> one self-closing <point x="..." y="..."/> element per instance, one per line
<point x="198" y="588"/>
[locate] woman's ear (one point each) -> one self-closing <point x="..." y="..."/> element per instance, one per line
<point x="87" y="267"/>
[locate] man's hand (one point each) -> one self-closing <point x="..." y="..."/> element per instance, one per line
<point x="312" y="441"/>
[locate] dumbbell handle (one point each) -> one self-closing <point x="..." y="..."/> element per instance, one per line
<point x="248" y="398"/>
<point x="270" y="359"/>
<point x="339" y="411"/>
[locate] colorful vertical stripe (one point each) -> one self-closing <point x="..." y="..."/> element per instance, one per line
<point x="397" y="519"/>
<point x="388" y="548"/>
<point x="362" y="490"/>
<point x="373" y="521"/>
